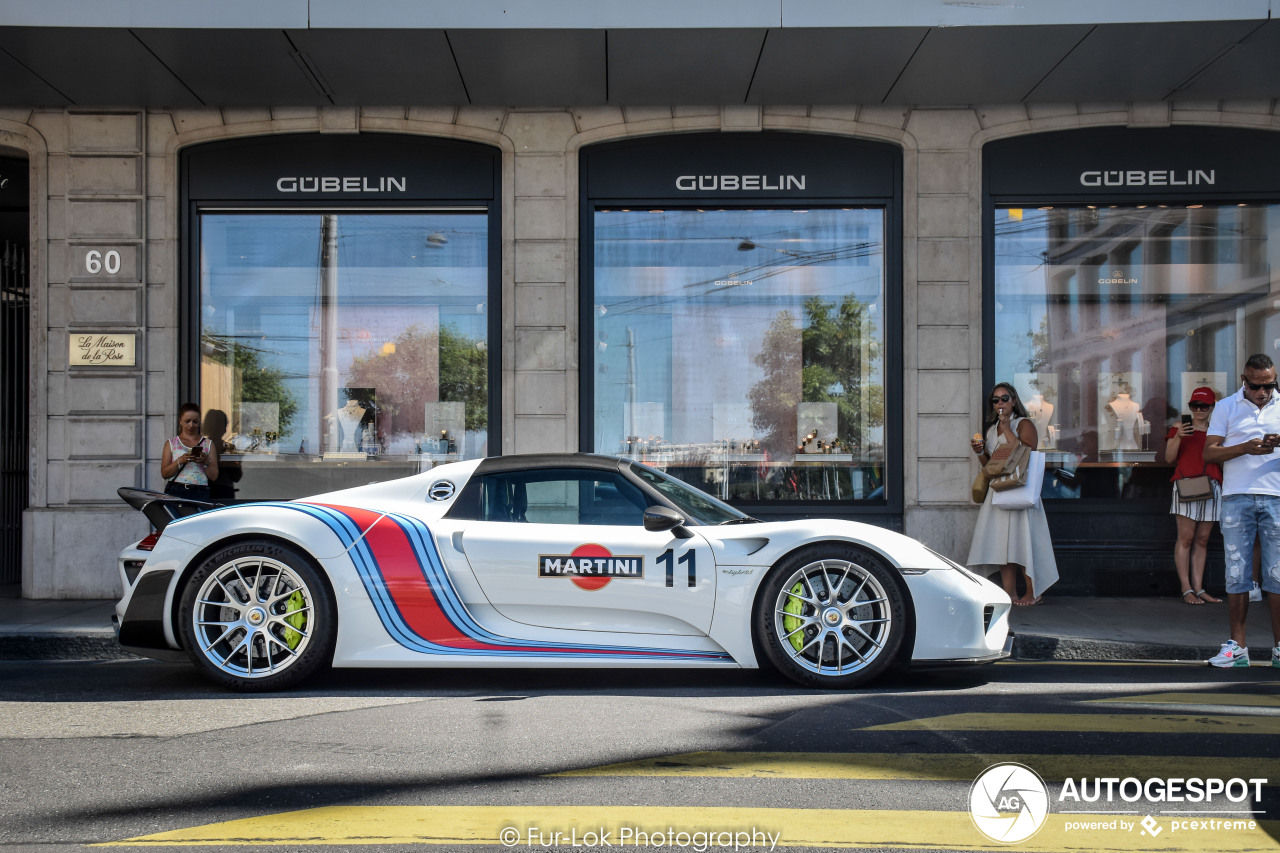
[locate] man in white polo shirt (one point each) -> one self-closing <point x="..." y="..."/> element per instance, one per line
<point x="1243" y="435"/>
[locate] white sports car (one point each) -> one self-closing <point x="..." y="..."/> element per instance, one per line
<point x="550" y="560"/>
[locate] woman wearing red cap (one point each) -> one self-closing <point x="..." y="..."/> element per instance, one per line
<point x="1184" y="448"/>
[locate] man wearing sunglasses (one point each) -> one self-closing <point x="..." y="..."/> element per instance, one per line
<point x="1244" y="432"/>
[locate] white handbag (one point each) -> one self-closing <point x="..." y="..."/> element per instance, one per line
<point x="1024" y="496"/>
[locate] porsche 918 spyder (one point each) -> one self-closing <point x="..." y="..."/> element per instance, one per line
<point x="549" y="560"/>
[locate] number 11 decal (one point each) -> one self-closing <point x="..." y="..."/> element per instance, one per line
<point x="691" y="557"/>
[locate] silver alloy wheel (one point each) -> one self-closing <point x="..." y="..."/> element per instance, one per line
<point x="253" y="617"/>
<point x="832" y="617"/>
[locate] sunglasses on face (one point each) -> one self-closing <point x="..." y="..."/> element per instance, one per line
<point x="1270" y="386"/>
<point x="1200" y="407"/>
<point x="1004" y="398"/>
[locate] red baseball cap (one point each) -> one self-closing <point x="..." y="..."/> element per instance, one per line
<point x="1204" y="395"/>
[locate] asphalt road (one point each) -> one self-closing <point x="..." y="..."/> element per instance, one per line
<point x="147" y="755"/>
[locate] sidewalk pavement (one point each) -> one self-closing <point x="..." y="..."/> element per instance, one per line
<point x="1061" y="628"/>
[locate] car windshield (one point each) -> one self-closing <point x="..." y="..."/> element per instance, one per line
<point x="695" y="504"/>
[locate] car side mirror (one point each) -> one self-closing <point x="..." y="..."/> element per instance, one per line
<point x="660" y="518"/>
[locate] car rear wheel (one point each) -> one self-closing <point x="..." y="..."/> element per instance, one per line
<point x="256" y="616"/>
<point x="831" y="617"/>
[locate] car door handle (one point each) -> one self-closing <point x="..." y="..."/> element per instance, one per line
<point x="457" y="542"/>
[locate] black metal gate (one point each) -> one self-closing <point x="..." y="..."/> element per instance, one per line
<point x="15" y="309"/>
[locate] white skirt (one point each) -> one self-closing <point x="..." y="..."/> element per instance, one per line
<point x="1018" y="536"/>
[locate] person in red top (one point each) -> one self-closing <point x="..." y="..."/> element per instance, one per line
<point x="1184" y="447"/>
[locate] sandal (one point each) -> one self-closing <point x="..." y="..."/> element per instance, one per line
<point x="1195" y="598"/>
<point x="1206" y="597"/>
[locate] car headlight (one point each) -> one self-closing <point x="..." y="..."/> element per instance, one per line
<point x="959" y="568"/>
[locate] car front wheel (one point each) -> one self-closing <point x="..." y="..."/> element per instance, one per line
<point x="831" y="617"/>
<point x="256" y="616"/>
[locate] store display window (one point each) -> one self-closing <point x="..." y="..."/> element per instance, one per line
<point x="1115" y="292"/>
<point x="745" y="345"/>
<point x="341" y="341"/>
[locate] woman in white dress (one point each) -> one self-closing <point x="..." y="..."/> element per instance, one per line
<point x="1015" y="541"/>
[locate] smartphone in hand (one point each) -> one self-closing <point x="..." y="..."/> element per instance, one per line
<point x="1186" y="419"/>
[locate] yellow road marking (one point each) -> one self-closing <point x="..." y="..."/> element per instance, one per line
<point x="923" y="766"/>
<point x="1119" y="723"/>
<point x="1253" y="700"/>
<point x="535" y="826"/>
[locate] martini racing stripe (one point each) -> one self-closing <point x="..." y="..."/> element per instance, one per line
<point x="352" y="538"/>
<point x="405" y="579"/>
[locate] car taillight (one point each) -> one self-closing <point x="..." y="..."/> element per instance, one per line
<point x="149" y="543"/>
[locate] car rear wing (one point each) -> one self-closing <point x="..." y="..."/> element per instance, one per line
<point x="159" y="508"/>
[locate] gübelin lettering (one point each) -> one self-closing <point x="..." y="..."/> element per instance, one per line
<point x="1148" y="177"/>
<point x="740" y="183"/>
<point x="1117" y="277"/>
<point x="341" y="184"/>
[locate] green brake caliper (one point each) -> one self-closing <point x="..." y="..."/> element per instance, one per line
<point x="795" y="606"/>
<point x="297" y="618"/>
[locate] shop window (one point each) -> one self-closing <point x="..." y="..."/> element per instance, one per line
<point x="743" y="350"/>
<point x="348" y="339"/>
<point x="1180" y="301"/>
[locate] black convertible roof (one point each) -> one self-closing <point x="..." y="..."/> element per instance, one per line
<point x="529" y="461"/>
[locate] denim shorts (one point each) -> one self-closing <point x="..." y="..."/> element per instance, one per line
<point x="190" y="491"/>
<point x="1244" y="517"/>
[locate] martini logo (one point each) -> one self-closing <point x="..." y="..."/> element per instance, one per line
<point x="590" y="566"/>
<point x="1009" y="803"/>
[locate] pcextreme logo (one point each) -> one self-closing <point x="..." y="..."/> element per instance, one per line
<point x="1008" y="803"/>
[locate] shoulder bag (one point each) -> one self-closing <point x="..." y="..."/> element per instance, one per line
<point x="1194" y="489"/>
<point x="978" y="491"/>
<point x="982" y="482"/>
<point x="1026" y="495"/>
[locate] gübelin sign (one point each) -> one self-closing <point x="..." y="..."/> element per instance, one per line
<point x="1148" y="177"/>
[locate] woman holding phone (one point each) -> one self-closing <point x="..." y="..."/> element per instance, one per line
<point x="1184" y="449"/>
<point x="188" y="461"/>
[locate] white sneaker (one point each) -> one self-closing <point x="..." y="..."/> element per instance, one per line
<point x="1232" y="655"/>
<point x="1255" y="594"/>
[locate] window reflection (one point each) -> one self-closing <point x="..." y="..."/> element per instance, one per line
<point x="1111" y="315"/>
<point x="341" y="348"/>
<point x="743" y="350"/>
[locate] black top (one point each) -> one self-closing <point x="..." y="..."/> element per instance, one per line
<point x="529" y="461"/>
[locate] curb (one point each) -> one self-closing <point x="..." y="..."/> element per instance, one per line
<point x="62" y="647"/>
<point x="1031" y="647"/>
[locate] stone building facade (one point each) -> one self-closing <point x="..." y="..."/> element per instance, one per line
<point x="107" y="180"/>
